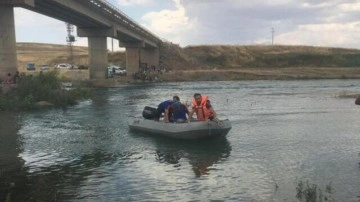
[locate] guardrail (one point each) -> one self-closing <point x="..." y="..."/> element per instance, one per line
<point x="11" y="1"/>
<point x="111" y="10"/>
<point x="16" y="2"/>
<point x="118" y="14"/>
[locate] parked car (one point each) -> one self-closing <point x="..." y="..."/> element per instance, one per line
<point x="30" y="66"/>
<point x="63" y="66"/>
<point x="44" y="67"/>
<point x="115" y="70"/>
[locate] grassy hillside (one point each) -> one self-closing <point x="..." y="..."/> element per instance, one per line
<point x="200" y="57"/>
<point x="52" y="54"/>
<point x="259" y="62"/>
<point x="229" y="57"/>
<point x="219" y="62"/>
<point x="48" y="54"/>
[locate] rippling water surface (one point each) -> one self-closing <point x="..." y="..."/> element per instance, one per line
<point x="283" y="132"/>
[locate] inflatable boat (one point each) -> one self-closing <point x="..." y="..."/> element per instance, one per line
<point x="187" y="130"/>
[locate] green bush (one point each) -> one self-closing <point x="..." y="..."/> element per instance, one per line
<point x="40" y="87"/>
<point x="43" y="87"/>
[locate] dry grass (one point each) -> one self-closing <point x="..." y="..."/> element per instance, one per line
<point x="51" y="54"/>
<point x="215" y="62"/>
<point x="48" y="54"/>
<point x="224" y="57"/>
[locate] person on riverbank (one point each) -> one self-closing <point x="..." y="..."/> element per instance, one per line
<point x="16" y="77"/>
<point x="202" y="107"/>
<point x="176" y="112"/>
<point x="8" y="79"/>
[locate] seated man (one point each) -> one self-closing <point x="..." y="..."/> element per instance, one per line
<point x="176" y="111"/>
<point x="202" y="107"/>
<point x="8" y="79"/>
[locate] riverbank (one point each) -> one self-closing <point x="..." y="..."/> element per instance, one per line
<point x="294" y="73"/>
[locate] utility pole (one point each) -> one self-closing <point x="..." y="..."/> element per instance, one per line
<point x="272" y="36"/>
<point x="112" y="44"/>
<point x="70" y="39"/>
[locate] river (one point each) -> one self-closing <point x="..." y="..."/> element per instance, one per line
<point x="283" y="132"/>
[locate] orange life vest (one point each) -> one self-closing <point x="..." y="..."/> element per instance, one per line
<point x="201" y="111"/>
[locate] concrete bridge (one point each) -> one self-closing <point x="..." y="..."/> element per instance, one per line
<point x="95" y="19"/>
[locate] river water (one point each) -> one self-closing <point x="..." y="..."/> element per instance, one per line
<point x="283" y="132"/>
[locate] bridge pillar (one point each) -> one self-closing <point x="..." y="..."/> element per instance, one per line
<point x="8" y="59"/>
<point x="150" y="56"/>
<point x="132" y="60"/>
<point x="98" y="58"/>
<point x="137" y="53"/>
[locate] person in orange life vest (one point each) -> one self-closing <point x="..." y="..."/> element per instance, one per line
<point x="202" y="107"/>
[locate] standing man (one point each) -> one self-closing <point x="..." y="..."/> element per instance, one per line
<point x="202" y="107"/>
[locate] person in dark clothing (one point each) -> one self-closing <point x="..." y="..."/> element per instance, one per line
<point x="16" y="77"/>
<point x="8" y="79"/>
<point x="357" y="101"/>
<point x="176" y="111"/>
<point x="162" y="107"/>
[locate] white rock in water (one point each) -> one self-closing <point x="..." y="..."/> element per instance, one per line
<point x="44" y="104"/>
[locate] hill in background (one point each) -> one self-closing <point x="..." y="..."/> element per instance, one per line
<point x="233" y="57"/>
<point x="52" y="54"/>
<point x="200" y="57"/>
<point x="234" y="62"/>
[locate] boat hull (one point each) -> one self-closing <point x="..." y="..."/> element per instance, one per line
<point x="192" y="130"/>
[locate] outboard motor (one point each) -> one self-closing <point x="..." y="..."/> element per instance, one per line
<point x="150" y="113"/>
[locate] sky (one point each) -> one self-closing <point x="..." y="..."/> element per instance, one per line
<point x="330" y="23"/>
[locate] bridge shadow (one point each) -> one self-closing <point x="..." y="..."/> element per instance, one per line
<point x="12" y="174"/>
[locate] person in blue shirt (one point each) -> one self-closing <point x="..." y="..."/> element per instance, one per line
<point x="162" y="107"/>
<point x="176" y="111"/>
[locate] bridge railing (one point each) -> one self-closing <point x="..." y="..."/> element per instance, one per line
<point x="15" y="2"/>
<point x="115" y="12"/>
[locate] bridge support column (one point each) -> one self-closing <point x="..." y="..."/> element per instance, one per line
<point x="137" y="53"/>
<point x="150" y="56"/>
<point x="132" y="60"/>
<point x="98" y="58"/>
<point x="8" y="59"/>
